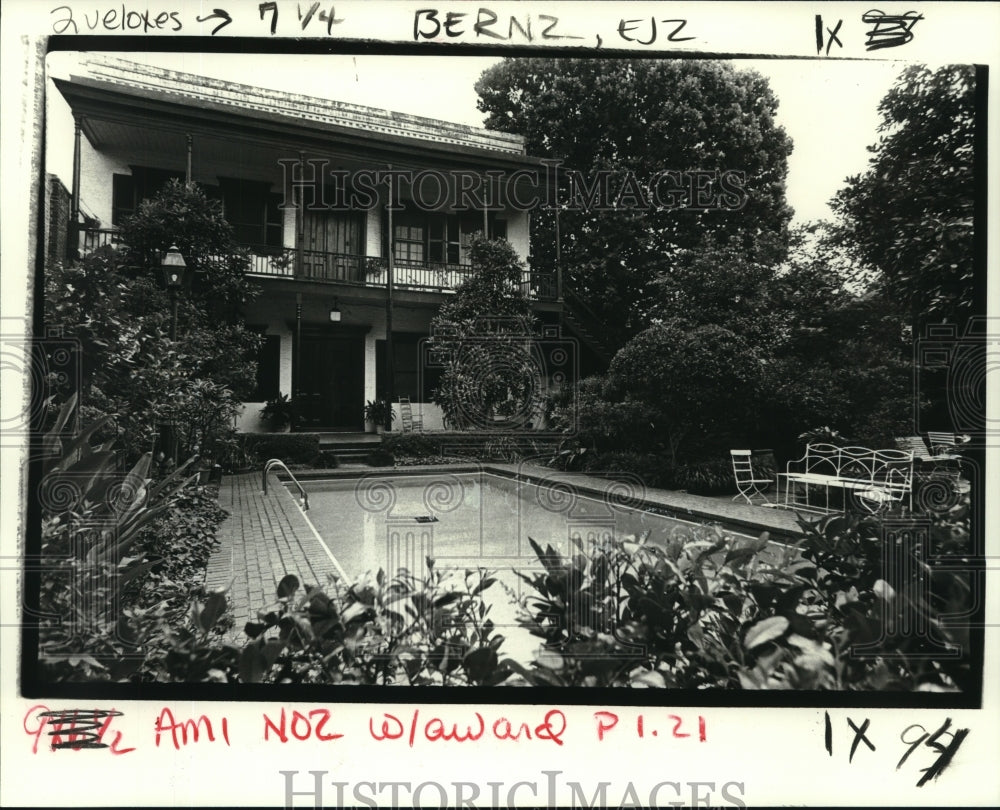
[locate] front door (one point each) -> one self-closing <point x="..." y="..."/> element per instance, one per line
<point x="331" y="382"/>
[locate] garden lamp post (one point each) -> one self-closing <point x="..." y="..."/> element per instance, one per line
<point x="173" y="266"/>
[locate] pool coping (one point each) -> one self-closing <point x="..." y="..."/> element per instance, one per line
<point x="782" y="525"/>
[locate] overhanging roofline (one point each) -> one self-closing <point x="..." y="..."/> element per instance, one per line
<point x="104" y="100"/>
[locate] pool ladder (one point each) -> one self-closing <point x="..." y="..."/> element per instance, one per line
<point x="277" y="462"/>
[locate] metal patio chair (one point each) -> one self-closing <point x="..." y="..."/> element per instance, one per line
<point x="944" y="444"/>
<point x="748" y="484"/>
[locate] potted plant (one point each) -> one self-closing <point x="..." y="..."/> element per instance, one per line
<point x="279" y="413"/>
<point x="379" y="413"/>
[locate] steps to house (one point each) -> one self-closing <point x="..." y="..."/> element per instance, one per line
<point x="349" y="448"/>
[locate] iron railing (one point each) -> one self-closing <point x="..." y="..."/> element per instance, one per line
<point x="352" y="268"/>
<point x="277" y="462"/>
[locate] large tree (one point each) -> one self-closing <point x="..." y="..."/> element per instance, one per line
<point x="643" y="117"/>
<point x="113" y="302"/>
<point x="910" y="215"/>
<point x="484" y="337"/>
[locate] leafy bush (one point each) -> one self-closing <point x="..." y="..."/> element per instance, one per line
<point x="112" y="301"/>
<point x="405" y="630"/>
<point x="485" y="331"/>
<point x="379" y="458"/>
<point x="417" y="445"/>
<point x="279" y="412"/>
<point x="255" y="449"/>
<point x="650" y="467"/>
<point x="94" y="523"/>
<point x="697" y="381"/>
<point x="705" y="610"/>
<point x="702" y="478"/>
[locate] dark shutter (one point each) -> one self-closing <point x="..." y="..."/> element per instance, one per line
<point x="268" y="369"/>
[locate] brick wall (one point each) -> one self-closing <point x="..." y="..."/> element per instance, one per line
<point x="58" y="206"/>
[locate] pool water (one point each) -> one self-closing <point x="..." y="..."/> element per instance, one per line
<point x="472" y="520"/>
<point x="466" y="520"/>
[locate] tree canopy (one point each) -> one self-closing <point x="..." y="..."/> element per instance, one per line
<point x="114" y="303"/>
<point x="910" y="215"/>
<point x="485" y="336"/>
<point x="642" y="117"/>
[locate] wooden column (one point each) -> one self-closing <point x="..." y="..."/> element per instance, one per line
<point x="187" y="174"/>
<point x="73" y="241"/>
<point x="299" y="217"/>
<point x="297" y="350"/>
<point x="390" y="258"/>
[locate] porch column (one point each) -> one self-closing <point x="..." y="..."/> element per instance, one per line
<point x="299" y="218"/>
<point x="297" y="349"/>
<point x="390" y="259"/>
<point x="187" y="175"/>
<point x="73" y="242"/>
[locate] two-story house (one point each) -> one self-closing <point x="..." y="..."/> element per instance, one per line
<point x="335" y="271"/>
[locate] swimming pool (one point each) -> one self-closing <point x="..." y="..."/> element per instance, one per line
<point x="469" y="519"/>
<point x="474" y="520"/>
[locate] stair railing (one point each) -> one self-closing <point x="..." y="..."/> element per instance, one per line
<point x="277" y="462"/>
<point x="579" y="311"/>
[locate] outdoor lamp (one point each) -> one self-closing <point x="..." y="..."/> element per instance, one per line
<point x="173" y="265"/>
<point x="335" y="312"/>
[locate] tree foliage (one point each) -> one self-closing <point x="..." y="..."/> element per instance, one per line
<point x="699" y="381"/>
<point x="910" y="215"/>
<point x="643" y="117"/>
<point x="113" y="302"/>
<point x="484" y="335"/>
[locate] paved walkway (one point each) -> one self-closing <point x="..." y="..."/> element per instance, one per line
<point x="264" y="538"/>
<point x="699" y="508"/>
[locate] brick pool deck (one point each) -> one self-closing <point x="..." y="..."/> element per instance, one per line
<point x="264" y="538"/>
<point x="268" y="536"/>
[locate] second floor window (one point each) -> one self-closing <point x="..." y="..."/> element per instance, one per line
<point x="421" y="237"/>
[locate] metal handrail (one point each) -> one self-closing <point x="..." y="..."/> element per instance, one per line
<point x="277" y="462"/>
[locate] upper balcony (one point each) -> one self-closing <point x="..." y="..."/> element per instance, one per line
<point x="354" y="270"/>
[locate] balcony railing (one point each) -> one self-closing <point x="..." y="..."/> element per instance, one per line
<point x="94" y="238"/>
<point x="354" y="269"/>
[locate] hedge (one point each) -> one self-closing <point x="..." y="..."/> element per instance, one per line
<point x="255" y="449"/>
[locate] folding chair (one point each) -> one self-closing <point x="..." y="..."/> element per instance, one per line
<point x="410" y="422"/>
<point x="944" y="444"/>
<point x="933" y="466"/>
<point x="749" y="486"/>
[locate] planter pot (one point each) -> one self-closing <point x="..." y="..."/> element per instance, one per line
<point x="380" y="430"/>
<point x="369" y="427"/>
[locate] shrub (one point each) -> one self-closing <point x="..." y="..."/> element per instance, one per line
<point x="702" y="478"/>
<point x="379" y="458"/>
<point x="255" y="449"/>
<point x="418" y="445"/>
<point x="94" y="523"/>
<point x="650" y="467"/>
<point x="405" y="630"/>
<point x="698" y="382"/>
<point x="485" y="332"/>
<point x="707" y="610"/>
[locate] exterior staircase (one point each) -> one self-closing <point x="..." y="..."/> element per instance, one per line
<point x="581" y="321"/>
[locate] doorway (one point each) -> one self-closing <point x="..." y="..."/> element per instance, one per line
<point x="331" y="381"/>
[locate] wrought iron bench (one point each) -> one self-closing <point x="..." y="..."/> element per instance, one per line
<point x="874" y="479"/>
